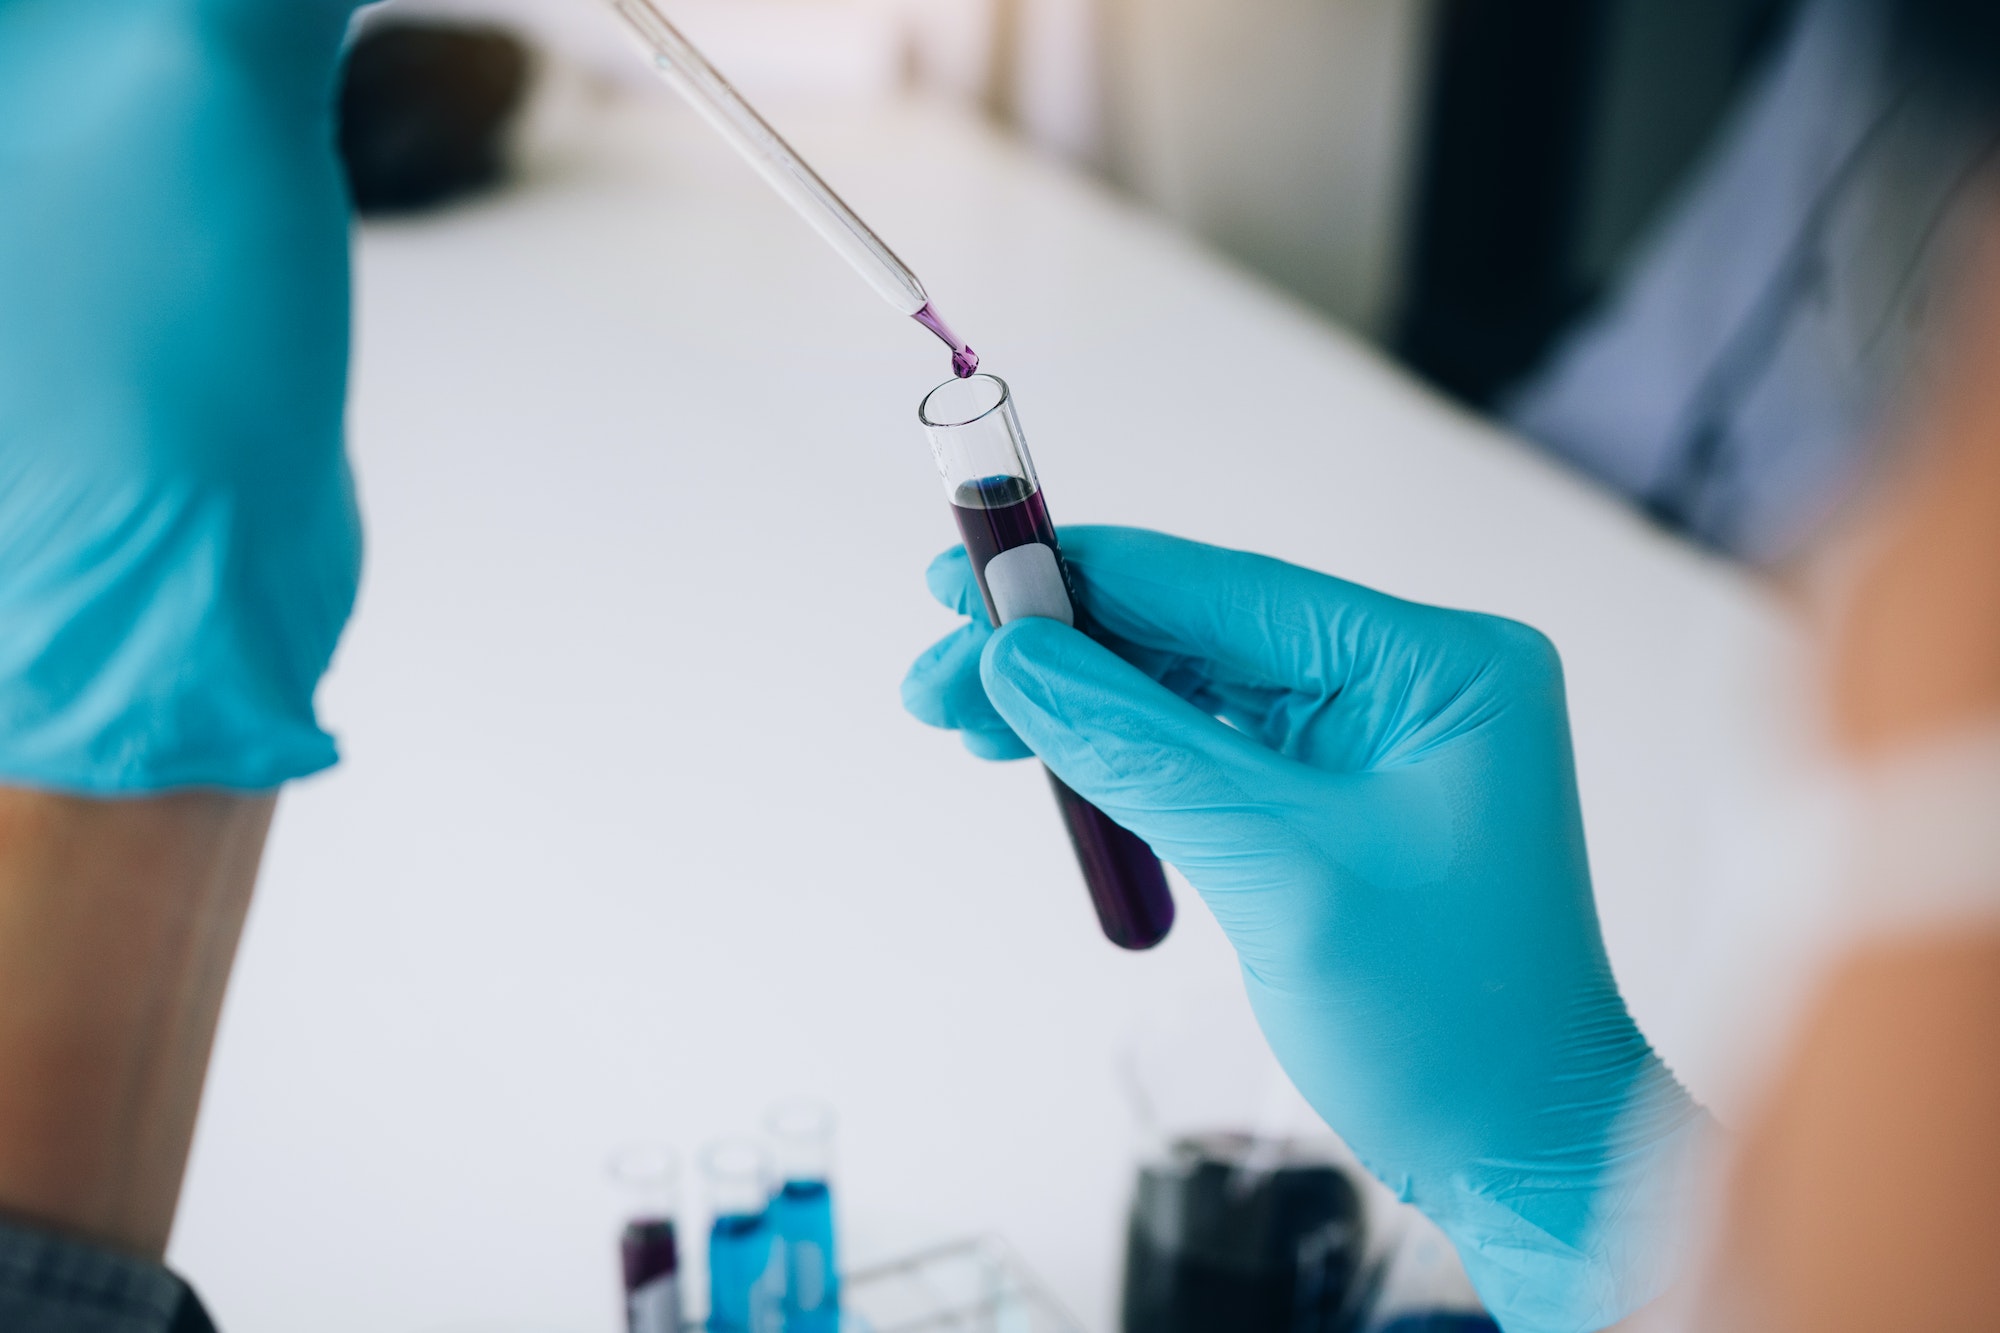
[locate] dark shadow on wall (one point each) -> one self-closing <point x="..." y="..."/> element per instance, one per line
<point x="1556" y="130"/>
<point x="425" y="112"/>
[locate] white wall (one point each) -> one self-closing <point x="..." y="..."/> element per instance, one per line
<point x="1281" y="130"/>
<point x="788" y="50"/>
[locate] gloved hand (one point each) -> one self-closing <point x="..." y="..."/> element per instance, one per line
<point x="179" y="544"/>
<point x="1388" y="831"/>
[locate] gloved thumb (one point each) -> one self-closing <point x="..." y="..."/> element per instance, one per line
<point x="1209" y="800"/>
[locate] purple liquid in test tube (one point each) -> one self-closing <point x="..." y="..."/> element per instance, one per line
<point x="649" y="1248"/>
<point x="652" y="1264"/>
<point x="1004" y="520"/>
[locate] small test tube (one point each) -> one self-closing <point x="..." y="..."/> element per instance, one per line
<point x="989" y="478"/>
<point x="649" y="1246"/>
<point x="746" y="1263"/>
<point x="801" y="1138"/>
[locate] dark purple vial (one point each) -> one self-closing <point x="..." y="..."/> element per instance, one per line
<point x="652" y="1262"/>
<point x="650" y="1250"/>
<point x="1126" y="883"/>
<point x="1228" y="1234"/>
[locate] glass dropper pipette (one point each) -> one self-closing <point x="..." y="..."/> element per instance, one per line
<point x="690" y="74"/>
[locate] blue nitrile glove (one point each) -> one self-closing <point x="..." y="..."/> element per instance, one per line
<point x="178" y="538"/>
<point x="1388" y="831"/>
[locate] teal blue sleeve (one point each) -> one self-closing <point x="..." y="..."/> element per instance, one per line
<point x="179" y="541"/>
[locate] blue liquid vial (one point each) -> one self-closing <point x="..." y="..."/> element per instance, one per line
<point x="746" y="1275"/>
<point x="746" y="1261"/>
<point x="801" y="1135"/>
<point x="802" y="1219"/>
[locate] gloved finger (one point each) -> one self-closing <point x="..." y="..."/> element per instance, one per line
<point x="952" y="582"/>
<point x="269" y="40"/>
<point x="1249" y="620"/>
<point x="1001" y="746"/>
<point x="943" y="689"/>
<point x="1206" y="797"/>
<point x="1248" y="707"/>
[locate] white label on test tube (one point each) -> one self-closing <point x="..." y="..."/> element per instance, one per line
<point x="655" y="1307"/>
<point x="1027" y="581"/>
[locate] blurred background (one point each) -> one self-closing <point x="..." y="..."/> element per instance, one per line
<point x="1531" y="206"/>
<point x="1373" y="157"/>
<point x="632" y="838"/>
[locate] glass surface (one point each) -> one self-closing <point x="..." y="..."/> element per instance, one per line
<point x="648" y="1177"/>
<point x="975" y="433"/>
<point x="801" y="1136"/>
<point x="974" y="1286"/>
<point x="997" y="501"/>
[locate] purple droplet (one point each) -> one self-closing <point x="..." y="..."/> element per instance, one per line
<point x="964" y="361"/>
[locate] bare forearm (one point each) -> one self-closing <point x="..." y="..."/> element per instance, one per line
<point x="1864" y="1193"/>
<point x="1866" y="1197"/>
<point x="118" y="924"/>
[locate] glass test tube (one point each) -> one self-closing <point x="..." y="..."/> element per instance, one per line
<point x="746" y="1267"/>
<point x="649" y="1248"/>
<point x="976" y="438"/>
<point x="801" y="1138"/>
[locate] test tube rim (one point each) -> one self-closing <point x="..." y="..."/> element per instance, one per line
<point x="754" y="1154"/>
<point x="923" y="413"/>
<point x="828" y="1122"/>
<point x="627" y="1165"/>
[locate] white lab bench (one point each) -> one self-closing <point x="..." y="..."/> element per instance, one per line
<point x="632" y="836"/>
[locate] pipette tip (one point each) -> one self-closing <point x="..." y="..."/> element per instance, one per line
<point x="964" y="361"/>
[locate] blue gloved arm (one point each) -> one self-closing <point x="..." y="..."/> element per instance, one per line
<point x="179" y="545"/>
<point x="1385" y="822"/>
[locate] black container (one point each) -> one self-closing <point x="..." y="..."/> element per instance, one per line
<point x="1450" y="1321"/>
<point x="1232" y="1236"/>
<point x="425" y="112"/>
